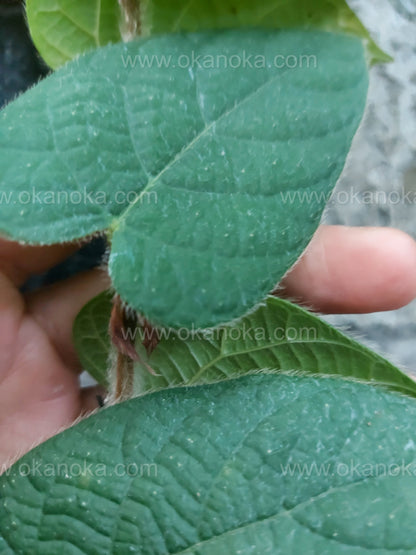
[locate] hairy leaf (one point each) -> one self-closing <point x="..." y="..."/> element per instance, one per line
<point x="91" y="339"/>
<point x="263" y="464"/>
<point x="210" y="179"/>
<point x="161" y="16"/>
<point x="63" y="29"/>
<point x="277" y="335"/>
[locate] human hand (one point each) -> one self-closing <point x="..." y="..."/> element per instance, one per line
<point x="343" y="270"/>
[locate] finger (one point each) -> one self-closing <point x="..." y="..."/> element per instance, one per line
<point x="12" y="310"/>
<point x="354" y="270"/>
<point x="39" y="395"/>
<point x="18" y="261"/>
<point x="56" y="307"/>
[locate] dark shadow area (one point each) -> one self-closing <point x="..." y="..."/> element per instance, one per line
<point x="20" y="65"/>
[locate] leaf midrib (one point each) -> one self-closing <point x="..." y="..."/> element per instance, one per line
<point x="204" y="131"/>
<point x="178" y="156"/>
<point x="271" y="346"/>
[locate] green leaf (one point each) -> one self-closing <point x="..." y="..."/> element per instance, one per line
<point x="277" y="335"/>
<point x="63" y="29"/>
<point x="91" y="338"/>
<point x="263" y="464"/>
<point x="164" y="16"/>
<point x="211" y="181"/>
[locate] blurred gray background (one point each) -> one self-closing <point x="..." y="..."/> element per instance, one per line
<point x="383" y="158"/>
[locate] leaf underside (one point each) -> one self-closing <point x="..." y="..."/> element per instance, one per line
<point x="277" y="335"/>
<point x="163" y="16"/>
<point x="205" y="472"/>
<point x="64" y="29"/>
<point x="91" y="339"/>
<point x="210" y="182"/>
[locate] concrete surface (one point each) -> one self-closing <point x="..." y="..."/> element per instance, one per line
<point x="383" y="160"/>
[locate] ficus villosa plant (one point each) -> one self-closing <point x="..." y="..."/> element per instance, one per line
<point x="203" y="140"/>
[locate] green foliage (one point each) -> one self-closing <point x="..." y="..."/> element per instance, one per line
<point x="209" y="180"/>
<point x="276" y="335"/>
<point x="163" y="16"/>
<point x="63" y="29"/>
<point x="91" y="339"/>
<point x="263" y="464"/>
